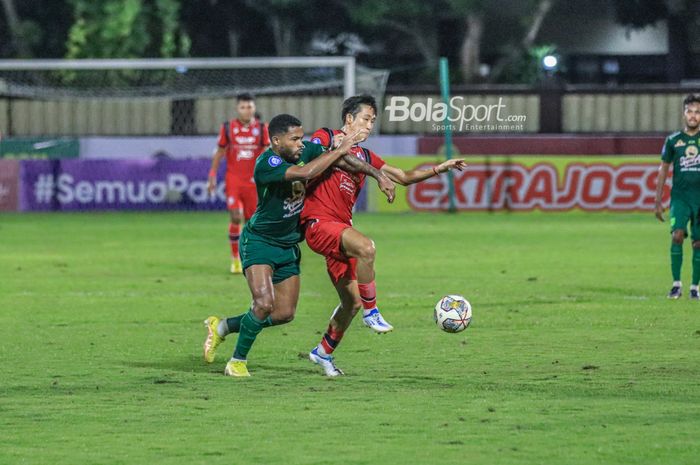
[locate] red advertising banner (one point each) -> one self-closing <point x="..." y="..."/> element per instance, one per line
<point x="543" y="186"/>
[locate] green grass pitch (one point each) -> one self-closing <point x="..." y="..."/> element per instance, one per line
<point x="574" y="355"/>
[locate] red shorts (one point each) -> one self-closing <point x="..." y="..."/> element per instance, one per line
<point x="241" y="196"/>
<point x="324" y="238"/>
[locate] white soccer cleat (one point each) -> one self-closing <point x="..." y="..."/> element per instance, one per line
<point x="326" y="363"/>
<point x="375" y="321"/>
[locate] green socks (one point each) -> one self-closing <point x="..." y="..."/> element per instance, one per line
<point x="250" y="327"/>
<point x="677" y="261"/>
<point x="696" y="266"/>
<point x="233" y="324"/>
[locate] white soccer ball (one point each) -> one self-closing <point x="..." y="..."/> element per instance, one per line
<point x="453" y="313"/>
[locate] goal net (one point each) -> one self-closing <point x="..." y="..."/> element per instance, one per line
<point x="171" y="96"/>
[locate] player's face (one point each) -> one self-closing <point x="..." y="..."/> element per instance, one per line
<point x="364" y="119"/>
<point x="290" y="145"/>
<point x="692" y="116"/>
<point x="246" y="110"/>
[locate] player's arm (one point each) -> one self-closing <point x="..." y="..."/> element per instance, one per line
<point x="320" y="164"/>
<point x="407" y="177"/>
<point x="352" y="164"/>
<point x="660" y="183"/>
<point x="219" y="153"/>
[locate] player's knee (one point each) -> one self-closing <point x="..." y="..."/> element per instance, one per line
<point x="368" y="251"/>
<point x="678" y="236"/>
<point x="236" y="217"/>
<point x="263" y="305"/>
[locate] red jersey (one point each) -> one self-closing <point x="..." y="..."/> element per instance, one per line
<point x="332" y="195"/>
<point x="243" y="143"/>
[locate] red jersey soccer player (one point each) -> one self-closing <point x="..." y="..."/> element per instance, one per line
<point x="327" y="221"/>
<point x="241" y="140"/>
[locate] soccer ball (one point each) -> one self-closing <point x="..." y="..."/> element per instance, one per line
<point x="453" y="313"/>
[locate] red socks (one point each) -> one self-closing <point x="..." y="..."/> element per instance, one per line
<point x="234" y="233"/>
<point x="368" y="294"/>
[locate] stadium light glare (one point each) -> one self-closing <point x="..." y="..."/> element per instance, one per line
<point x="550" y="62"/>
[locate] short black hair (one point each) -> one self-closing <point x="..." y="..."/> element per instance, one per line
<point x="280" y="124"/>
<point x="245" y="97"/>
<point x="691" y="98"/>
<point x="352" y="105"/>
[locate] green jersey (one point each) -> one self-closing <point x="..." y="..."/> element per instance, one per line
<point x="276" y="217"/>
<point x="681" y="150"/>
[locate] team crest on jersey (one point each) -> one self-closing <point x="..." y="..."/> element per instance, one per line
<point x="274" y="161"/>
<point x="256" y="132"/>
<point x="316" y="140"/>
<point x="236" y="130"/>
<point x="680" y="143"/>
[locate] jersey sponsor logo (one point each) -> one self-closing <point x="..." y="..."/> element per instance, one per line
<point x="246" y="140"/>
<point x="690" y="159"/>
<point x="294" y="204"/>
<point x="591" y="187"/>
<point x="680" y="143"/>
<point x="274" y="161"/>
<point x="245" y="154"/>
<point x="348" y="185"/>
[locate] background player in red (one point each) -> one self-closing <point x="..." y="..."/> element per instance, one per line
<point x="241" y="140"/>
<point x="327" y="221"/>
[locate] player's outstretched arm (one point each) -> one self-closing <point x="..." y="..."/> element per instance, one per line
<point x="352" y="164"/>
<point x="218" y="155"/>
<point x="406" y="178"/>
<point x="320" y="164"/>
<point x="660" y="182"/>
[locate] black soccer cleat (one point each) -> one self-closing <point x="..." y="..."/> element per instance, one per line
<point x="675" y="293"/>
<point x="694" y="294"/>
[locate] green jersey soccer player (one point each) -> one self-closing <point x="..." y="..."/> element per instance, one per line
<point x="269" y="243"/>
<point x="681" y="151"/>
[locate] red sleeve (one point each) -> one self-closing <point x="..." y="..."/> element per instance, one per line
<point x="223" y="137"/>
<point x="321" y="137"/>
<point x="375" y="160"/>
<point x="265" y="134"/>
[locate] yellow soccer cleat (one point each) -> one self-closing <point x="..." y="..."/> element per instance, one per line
<point x="236" y="267"/>
<point x="237" y="368"/>
<point x="213" y="339"/>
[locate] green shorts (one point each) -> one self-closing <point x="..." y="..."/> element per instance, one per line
<point x="684" y="212"/>
<point x="284" y="261"/>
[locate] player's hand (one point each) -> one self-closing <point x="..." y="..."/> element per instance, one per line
<point x="659" y="211"/>
<point x="452" y="164"/>
<point x="211" y="185"/>
<point x="348" y="142"/>
<point x="387" y="187"/>
<point x="337" y="140"/>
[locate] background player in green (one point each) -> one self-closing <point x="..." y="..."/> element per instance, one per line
<point x="681" y="151"/>
<point x="269" y="242"/>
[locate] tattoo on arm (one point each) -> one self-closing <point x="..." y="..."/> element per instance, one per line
<point x="352" y="164"/>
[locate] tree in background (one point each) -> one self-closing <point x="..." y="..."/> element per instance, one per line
<point x="518" y="60"/>
<point x="126" y="29"/>
<point x="35" y="28"/>
<point x="680" y="16"/>
<point x="415" y="20"/>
